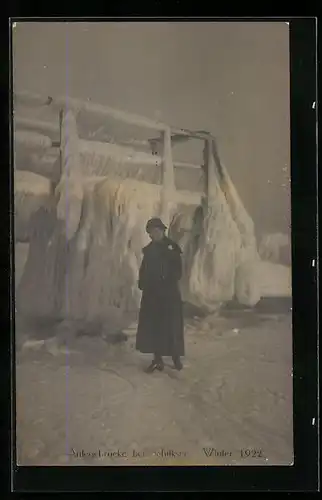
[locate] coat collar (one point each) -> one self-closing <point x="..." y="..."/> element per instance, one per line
<point x="165" y="243"/>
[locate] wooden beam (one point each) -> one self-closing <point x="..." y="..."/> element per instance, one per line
<point x="104" y="112"/>
<point x="180" y="134"/>
<point x="26" y="98"/>
<point x="186" y="164"/>
<point x="127" y="154"/>
<point x="32" y="140"/>
<point x="38" y="163"/>
<point x="96" y="110"/>
<point x="36" y="125"/>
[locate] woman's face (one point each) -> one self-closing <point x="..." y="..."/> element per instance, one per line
<point x="156" y="233"/>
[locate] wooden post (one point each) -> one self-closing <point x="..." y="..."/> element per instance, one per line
<point x="168" y="182"/>
<point x="69" y="144"/>
<point x="70" y="187"/>
<point x="210" y="171"/>
<point x="61" y="116"/>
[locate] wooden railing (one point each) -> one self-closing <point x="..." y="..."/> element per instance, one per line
<point x="78" y="108"/>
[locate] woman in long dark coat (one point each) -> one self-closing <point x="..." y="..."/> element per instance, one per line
<point x="160" y="328"/>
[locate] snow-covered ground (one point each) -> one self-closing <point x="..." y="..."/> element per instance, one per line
<point x="232" y="401"/>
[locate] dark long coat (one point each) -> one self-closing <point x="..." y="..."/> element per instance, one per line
<point x="160" y="328"/>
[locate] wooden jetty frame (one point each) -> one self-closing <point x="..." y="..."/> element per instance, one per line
<point x="77" y="107"/>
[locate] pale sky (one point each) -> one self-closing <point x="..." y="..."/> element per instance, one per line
<point x="231" y="79"/>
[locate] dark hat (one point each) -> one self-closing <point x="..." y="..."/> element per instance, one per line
<point x="155" y="222"/>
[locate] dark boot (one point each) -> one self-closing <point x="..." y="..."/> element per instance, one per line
<point x="157" y="364"/>
<point x="177" y="362"/>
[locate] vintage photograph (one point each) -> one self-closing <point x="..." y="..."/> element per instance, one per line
<point x="152" y="243"/>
